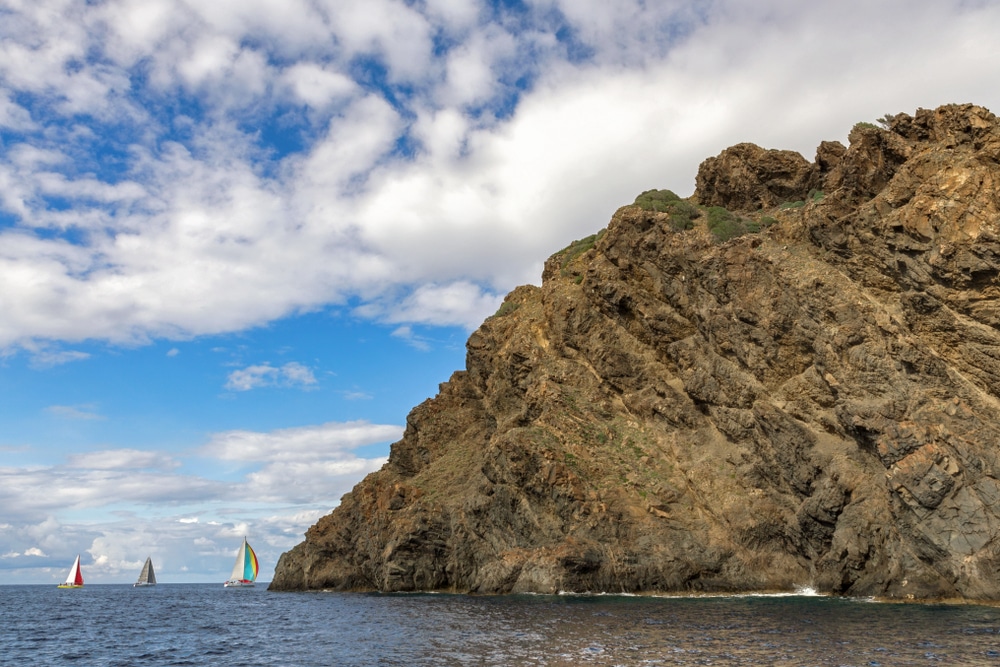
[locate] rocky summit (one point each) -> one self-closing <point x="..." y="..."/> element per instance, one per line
<point x="790" y="378"/>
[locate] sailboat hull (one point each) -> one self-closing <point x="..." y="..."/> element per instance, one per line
<point x="70" y="586"/>
<point x="143" y="585"/>
<point x="238" y="584"/>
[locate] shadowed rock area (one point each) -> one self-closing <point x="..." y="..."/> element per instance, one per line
<point x="811" y="402"/>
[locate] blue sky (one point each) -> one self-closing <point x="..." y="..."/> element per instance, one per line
<point x="241" y="239"/>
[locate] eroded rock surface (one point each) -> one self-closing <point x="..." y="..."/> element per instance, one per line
<point x="816" y="404"/>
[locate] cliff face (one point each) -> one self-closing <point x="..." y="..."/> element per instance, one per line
<point x="814" y="404"/>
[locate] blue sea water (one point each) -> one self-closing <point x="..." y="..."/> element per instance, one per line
<point x="206" y="624"/>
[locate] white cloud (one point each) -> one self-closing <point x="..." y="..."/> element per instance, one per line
<point x="31" y="492"/>
<point x="471" y="70"/>
<point x="308" y="443"/>
<point x="12" y="115"/>
<point x="50" y="356"/>
<point x="390" y="29"/>
<point x="123" y="459"/>
<point x="85" y="412"/>
<point x="462" y="303"/>
<point x="312" y="479"/>
<point x="413" y="340"/>
<point x="143" y="503"/>
<point x="456" y="16"/>
<point x="408" y="185"/>
<point x="176" y="168"/>
<point x="32" y="551"/>
<point x="318" y="86"/>
<point x="292" y="374"/>
<point x="356" y="396"/>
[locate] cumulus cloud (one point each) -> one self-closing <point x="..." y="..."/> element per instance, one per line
<point x="419" y="159"/>
<point x="31" y="551"/>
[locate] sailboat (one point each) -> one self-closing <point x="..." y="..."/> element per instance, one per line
<point x="147" y="577"/>
<point x="75" y="578"/>
<point x="245" y="569"/>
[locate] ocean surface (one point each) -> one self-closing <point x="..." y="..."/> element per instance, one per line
<point x="203" y="624"/>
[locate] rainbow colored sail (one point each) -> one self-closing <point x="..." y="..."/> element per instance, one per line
<point x="245" y="568"/>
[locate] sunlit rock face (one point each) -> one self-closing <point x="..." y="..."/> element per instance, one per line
<point x="813" y="402"/>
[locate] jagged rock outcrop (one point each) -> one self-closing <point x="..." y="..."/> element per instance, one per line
<point x="815" y="404"/>
<point x="747" y="177"/>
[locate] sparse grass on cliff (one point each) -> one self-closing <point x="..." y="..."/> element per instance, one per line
<point x="812" y="197"/>
<point x="506" y="308"/>
<point x="577" y="248"/>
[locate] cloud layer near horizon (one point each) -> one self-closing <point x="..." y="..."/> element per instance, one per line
<point x="139" y="501"/>
<point x="173" y="168"/>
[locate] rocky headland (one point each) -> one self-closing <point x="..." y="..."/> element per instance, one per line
<point x="791" y="378"/>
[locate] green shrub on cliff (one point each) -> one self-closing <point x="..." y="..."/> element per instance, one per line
<point x="681" y="213"/>
<point x="656" y="200"/>
<point x="725" y="225"/>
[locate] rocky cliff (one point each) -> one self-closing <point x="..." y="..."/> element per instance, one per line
<point x="791" y="378"/>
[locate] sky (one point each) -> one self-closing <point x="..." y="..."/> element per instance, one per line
<point x="241" y="239"/>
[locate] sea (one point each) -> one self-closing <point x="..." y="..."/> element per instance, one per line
<point x="206" y="624"/>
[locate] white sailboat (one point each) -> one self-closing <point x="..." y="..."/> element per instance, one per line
<point x="75" y="578"/>
<point x="245" y="569"/>
<point x="147" y="577"/>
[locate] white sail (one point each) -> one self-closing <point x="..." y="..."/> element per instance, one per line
<point x="71" y="578"/>
<point x="241" y="556"/>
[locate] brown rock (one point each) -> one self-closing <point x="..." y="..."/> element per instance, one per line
<point x="817" y="404"/>
<point x="747" y="177"/>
